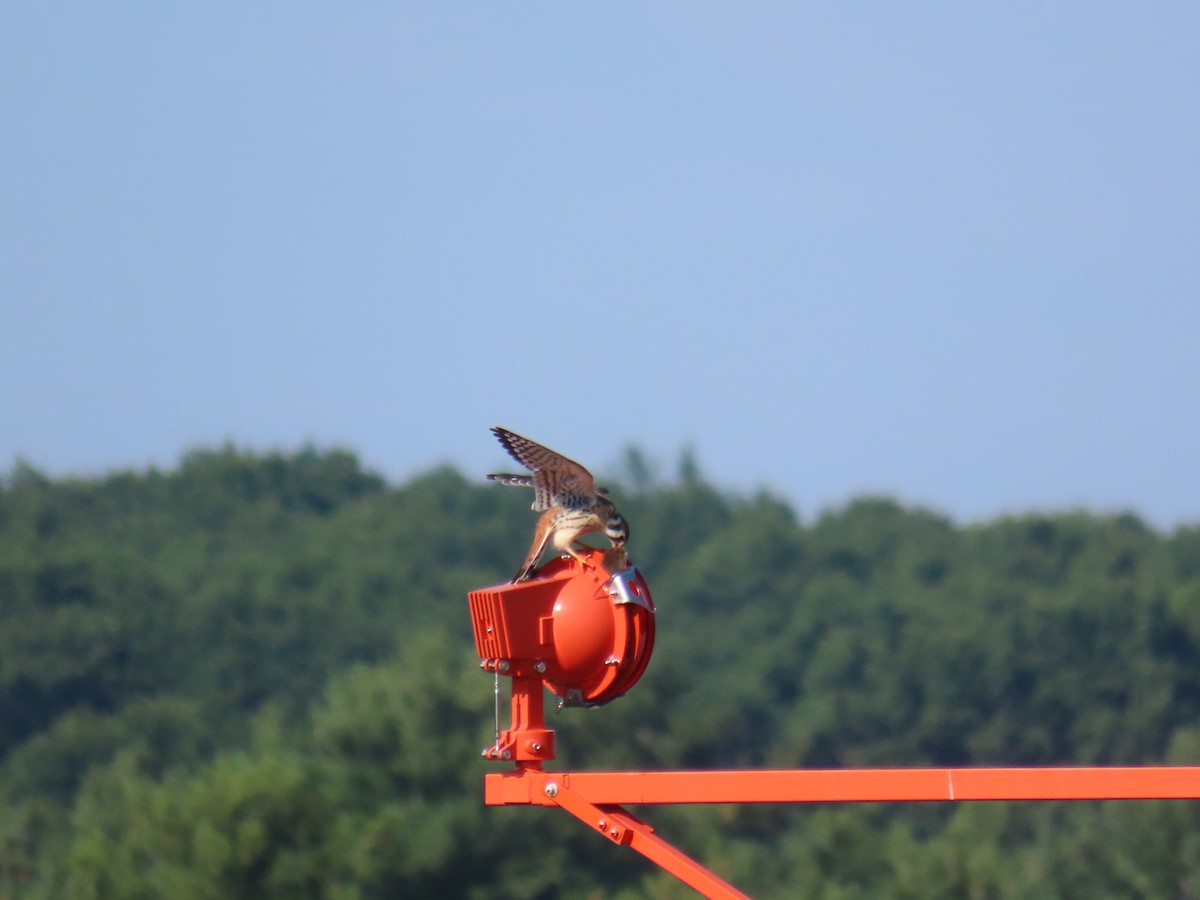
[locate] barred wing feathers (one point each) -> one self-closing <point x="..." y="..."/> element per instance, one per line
<point x="556" y="480"/>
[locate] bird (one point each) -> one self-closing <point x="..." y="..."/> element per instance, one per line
<point x="569" y="500"/>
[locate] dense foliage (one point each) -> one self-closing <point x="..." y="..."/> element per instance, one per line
<point x="253" y="677"/>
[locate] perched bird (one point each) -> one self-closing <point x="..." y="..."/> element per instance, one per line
<point x="570" y="503"/>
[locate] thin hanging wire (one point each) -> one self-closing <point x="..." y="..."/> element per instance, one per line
<point x="496" y="746"/>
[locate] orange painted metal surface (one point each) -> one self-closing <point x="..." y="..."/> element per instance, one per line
<point x="527" y="739"/>
<point x="587" y="635"/>
<point x="856" y="785"/>
<point x="586" y="632"/>
<point x="595" y="798"/>
<point x="627" y="830"/>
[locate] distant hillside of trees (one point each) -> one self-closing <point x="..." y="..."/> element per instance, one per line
<point x="253" y="676"/>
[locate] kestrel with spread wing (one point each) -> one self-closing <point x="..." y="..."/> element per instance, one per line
<point x="567" y="496"/>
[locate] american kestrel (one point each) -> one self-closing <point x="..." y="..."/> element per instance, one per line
<point x="569" y="500"/>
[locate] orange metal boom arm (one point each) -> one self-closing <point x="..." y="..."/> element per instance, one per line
<point x="595" y="797"/>
<point x="849" y="785"/>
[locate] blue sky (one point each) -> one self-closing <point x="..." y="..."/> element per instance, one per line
<point x="943" y="252"/>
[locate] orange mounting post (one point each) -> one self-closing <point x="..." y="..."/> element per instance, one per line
<point x="586" y="634"/>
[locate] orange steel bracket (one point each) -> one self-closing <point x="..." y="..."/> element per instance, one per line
<point x="536" y="787"/>
<point x="624" y="829"/>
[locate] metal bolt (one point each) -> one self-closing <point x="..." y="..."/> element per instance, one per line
<point x="507" y="754"/>
<point x="535" y="747"/>
<point x="539" y="667"/>
<point x="612" y="833"/>
<point x="602" y="824"/>
<point x="502" y="666"/>
<point x="552" y="789"/>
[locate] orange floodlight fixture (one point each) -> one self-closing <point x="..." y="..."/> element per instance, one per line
<point x="583" y="632"/>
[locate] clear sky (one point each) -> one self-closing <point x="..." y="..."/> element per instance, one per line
<point x="940" y="251"/>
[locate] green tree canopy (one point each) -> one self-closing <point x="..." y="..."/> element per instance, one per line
<point x="252" y="676"/>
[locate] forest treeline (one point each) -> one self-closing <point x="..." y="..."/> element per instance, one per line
<point x="253" y="676"/>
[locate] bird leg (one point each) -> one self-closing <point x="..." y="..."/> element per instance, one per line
<point x="582" y="560"/>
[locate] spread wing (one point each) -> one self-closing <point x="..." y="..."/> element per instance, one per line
<point x="556" y="480"/>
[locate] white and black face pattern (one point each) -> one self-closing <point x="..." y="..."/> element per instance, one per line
<point x="616" y="529"/>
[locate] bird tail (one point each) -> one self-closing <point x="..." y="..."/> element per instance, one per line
<point x="512" y="480"/>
